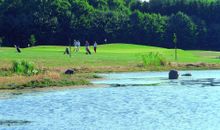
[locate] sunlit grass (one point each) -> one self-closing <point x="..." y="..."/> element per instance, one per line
<point x="108" y="55"/>
<point x="52" y="63"/>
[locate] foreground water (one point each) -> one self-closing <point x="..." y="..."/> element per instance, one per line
<point x="131" y="101"/>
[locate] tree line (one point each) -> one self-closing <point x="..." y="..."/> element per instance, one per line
<point x="196" y="23"/>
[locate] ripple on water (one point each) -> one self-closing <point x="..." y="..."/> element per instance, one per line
<point x="183" y="104"/>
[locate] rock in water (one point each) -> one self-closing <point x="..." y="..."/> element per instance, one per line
<point x="173" y="74"/>
<point x="187" y="74"/>
<point x="13" y="122"/>
<point x="69" y="72"/>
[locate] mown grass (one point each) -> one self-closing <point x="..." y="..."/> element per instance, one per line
<point x="52" y="63"/>
<point x="108" y="55"/>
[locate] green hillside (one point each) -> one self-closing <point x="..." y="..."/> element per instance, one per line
<point x="108" y="55"/>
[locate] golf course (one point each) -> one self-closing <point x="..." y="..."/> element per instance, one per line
<point x="51" y="63"/>
<point x="109" y="64"/>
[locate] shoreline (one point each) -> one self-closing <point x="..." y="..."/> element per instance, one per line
<point x="9" y="93"/>
<point x="16" y="92"/>
<point x="90" y="72"/>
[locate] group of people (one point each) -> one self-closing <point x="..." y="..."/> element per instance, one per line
<point x="87" y="45"/>
<point x="77" y="45"/>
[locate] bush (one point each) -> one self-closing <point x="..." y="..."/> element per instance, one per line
<point x="32" y="40"/>
<point x="153" y="59"/>
<point x="24" y="67"/>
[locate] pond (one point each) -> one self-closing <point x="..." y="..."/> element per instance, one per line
<point x="142" y="100"/>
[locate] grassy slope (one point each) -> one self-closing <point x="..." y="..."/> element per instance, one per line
<point x="108" y="55"/>
<point x="111" y="57"/>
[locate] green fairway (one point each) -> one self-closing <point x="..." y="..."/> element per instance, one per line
<point x="111" y="55"/>
<point x="52" y="63"/>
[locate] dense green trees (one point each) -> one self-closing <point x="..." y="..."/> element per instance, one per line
<point x="203" y="17"/>
<point x="147" y="28"/>
<point x="184" y="28"/>
<point x="196" y="23"/>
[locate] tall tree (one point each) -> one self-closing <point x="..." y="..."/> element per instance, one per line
<point x="184" y="28"/>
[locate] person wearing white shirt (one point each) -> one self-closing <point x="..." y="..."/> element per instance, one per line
<point x="78" y="46"/>
<point x="95" y="46"/>
<point x="75" y="46"/>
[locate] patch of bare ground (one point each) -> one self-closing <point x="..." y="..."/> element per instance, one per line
<point x="84" y="74"/>
<point x="200" y="65"/>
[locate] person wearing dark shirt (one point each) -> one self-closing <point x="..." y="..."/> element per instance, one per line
<point x="87" y="48"/>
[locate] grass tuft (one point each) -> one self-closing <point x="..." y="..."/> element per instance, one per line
<point x="153" y="59"/>
<point x="47" y="82"/>
<point x="24" y="67"/>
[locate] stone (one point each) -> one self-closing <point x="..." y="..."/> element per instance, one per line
<point x="118" y="85"/>
<point x="13" y="122"/>
<point x="69" y="72"/>
<point x="173" y="74"/>
<point x="187" y="74"/>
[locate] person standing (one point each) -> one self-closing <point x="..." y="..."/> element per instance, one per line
<point x="95" y="46"/>
<point x="105" y="40"/>
<point x="75" y="46"/>
<point x="78" y="46"/>
<point x="87" y="48"/>
<point x="67" y="51"/>
<point x="17" y="49"/>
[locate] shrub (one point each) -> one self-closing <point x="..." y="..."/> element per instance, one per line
<point x="153" y="59"/>
<point x="24" y="67"/>
<point x="32" y="40"/>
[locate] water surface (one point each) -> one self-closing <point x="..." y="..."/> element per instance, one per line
<point x="146" y="100"/>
